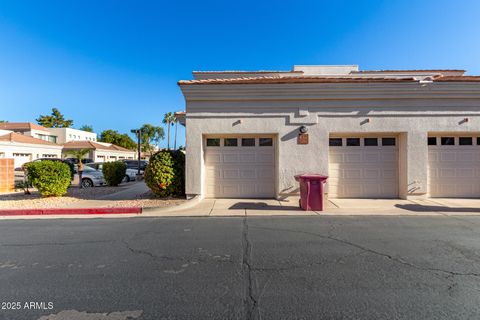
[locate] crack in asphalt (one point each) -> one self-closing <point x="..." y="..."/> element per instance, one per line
<point x="148" y="253"/>
<point x="372" y="251"/>
<point x="250" y="302"/>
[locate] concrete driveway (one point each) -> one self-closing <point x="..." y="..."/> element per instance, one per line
<point x="289" y="207"/>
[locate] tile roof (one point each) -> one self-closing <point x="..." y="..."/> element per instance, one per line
<point x="458" y="79"/>
<point x="21" y="126"/>
<point x="20" y="138"/>
<point x="407" y="70"/>
<point x="302" y="79"/>
<point x="85" y="144"/>
<point x="244" y="71"/>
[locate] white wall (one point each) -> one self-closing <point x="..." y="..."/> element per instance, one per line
<point x="409" y="110"/>
<point x="68" y="134"/>
<point x="31" y="152"/>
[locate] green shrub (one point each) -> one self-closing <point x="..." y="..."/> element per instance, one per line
<point x="114" y="172"/>
<point x="51" y="178"/>
<point x="165" y="173"/>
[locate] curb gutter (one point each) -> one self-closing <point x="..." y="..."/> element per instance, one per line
<point x="69" y="211"/>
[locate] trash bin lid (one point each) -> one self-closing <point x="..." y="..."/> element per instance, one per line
<point x="312" y="176"/>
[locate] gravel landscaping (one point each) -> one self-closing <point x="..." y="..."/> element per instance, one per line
<point x="75" y="196"/>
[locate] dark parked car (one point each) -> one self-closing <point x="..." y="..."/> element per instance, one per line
<point x="133" y="164"/>
<point x="75" y="160"/>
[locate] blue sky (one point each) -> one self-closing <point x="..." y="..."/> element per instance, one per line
<point x="115" y="64"/>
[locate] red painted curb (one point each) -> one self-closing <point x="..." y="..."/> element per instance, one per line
<point x="69" y="211"/>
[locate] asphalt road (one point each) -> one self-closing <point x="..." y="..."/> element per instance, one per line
<point x="361" y="267"/>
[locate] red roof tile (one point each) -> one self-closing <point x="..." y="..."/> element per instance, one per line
<point x="84" y="144"/>
<point x="304" y="79"/>
<point x="20" y="138"/>
<point x="458" y="79"/>
<point x="411" y="70"/>
<point x="21" y="126"/>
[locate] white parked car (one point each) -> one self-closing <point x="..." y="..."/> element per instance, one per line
<point x="90" y="177"/>
<point x="130" y="174"/>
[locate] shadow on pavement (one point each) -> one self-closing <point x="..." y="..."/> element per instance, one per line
<point x="262" y="206"/>
<point x="424" y="208"/>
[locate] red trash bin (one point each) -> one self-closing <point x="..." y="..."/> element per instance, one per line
<point x="311" y="191"/>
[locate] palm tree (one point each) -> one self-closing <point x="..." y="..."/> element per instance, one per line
<point x="79" y="154"/>
<point x="176" y="128"/>
<point x="168" y="119"/>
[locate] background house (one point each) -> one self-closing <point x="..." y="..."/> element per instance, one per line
<point x="23" y="148"/>
<point x="99" y="152"/>
<point x="24" y="142"/>
<point x="69" y="134"/>
<point x="30" y="129"/>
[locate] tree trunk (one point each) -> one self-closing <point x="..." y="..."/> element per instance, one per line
<point x="175" y="141"/>
<point x="168" y="143"/>
<point x="80" y="173"/>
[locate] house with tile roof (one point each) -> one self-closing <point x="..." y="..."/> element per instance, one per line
<point x="99" y="151"/>
<point x="375" y="133"/>
<point x="23" y="148"/>
<point x="25" y="141"/>
<point x="30" y="129"/>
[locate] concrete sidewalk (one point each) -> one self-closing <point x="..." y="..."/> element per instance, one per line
<point x="290" y="207"/>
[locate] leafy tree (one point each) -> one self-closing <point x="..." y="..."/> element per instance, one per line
<point x="114" y="172"/>
<point x="51" y="178"/>
<point x="54" y="120"/>
<point x="122" y="140"/>
<point x="3" y="121"/>
<point x="165" y="173"/>
<point x="86" y="127"/>
<point x="150" y="137"/>
<point x="169" y="119"/>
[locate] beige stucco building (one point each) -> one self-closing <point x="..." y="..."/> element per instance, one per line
<point x="376" y="134"/>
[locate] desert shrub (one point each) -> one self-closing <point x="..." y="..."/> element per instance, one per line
<point x="51" y="178"/>
<point x="165" y="173"/>
<point x="114" y="172"/>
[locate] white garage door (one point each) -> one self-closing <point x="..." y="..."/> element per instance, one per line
<point x="240" y="167"/>
<point x="21" y="158"/>
<point x="363" y="167"/>
<point x="454" y="166"/>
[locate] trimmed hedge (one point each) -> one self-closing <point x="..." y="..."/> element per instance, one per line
<point x="165" y="173"/>
<point x="51" y="178"/>
<point x="114" y="172"/>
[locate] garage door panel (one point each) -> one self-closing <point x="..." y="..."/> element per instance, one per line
<point x="231" y="174"/>
<point x="213" y="158"/>
<point x="447" y="173"/>
<point x="448" y="156"/>
<point x="239" y="171"/>
<point x="371" y="157"/>
<point x="336" y="158"/>
<point x="265" y="157"/>
<point x="363" y="172"/>
<point x="466" y="173"/>
<point x="353" y="157"/>
<point x="453" y="171"/>
<point x="230" y="158"/>
<point x="372" y="173"/>
<point x="466" y="157"/>
<point x="354" y="173"/>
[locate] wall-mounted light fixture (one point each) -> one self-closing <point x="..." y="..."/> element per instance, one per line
<point x="303" y="129"/>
